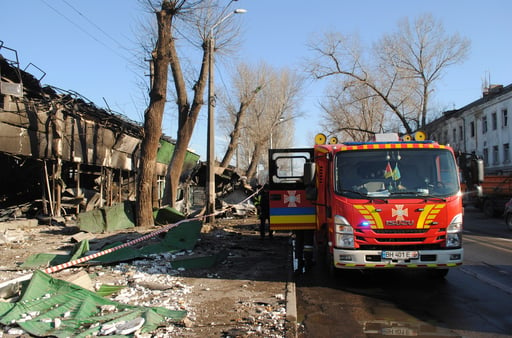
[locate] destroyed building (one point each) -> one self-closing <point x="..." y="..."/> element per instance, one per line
<point x="60" y="154"/>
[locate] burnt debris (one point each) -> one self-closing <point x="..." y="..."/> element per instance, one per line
<point x="61" y="152"/>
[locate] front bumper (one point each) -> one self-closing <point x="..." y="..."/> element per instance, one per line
<point x="361" y="259"/>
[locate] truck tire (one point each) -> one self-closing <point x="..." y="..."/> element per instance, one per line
<point x="329" y="263"/>
<point x="508" y="221"/>
<point x="488" y="208"/>
<point x="439" y="273"/>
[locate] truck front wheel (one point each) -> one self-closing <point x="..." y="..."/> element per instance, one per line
<point x="329" y="261"/>
<point x="508" y="221"/>
<point x="439" y="273"/>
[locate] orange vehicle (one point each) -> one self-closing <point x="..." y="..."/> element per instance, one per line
<point x="369" y="205"/>
<point x="489" y="191"/>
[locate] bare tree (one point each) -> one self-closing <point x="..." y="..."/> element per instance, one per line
<point x="199" y="17"/>
<point x="422" y="52"/>
<point x="205" y="20"/>
<point x="354" y="113"/>
<point x="403" y="67"/>
<point x="247" y="87"/>
<point x="153" y="117"/>
<point x="271" y="112"/>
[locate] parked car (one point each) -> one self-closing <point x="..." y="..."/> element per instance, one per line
<point x="508" y="214"/>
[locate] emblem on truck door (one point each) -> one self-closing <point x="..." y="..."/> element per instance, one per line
<point x="292" y="199"/>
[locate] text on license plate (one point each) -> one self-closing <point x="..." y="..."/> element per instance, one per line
<point x="400" y="254"/>
<point x="399" y="331"/>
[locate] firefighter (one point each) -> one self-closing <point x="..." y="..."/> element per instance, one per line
<point x="261" y="201"/>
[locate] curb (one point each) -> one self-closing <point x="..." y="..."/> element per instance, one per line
<point x="291" y="300"/>
<point x="291" y="310"/>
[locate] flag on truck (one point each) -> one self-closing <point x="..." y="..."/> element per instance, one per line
<point x="396" y="173"/>
<point x="388" y="172"/>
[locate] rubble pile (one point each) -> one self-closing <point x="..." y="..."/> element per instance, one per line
<point x="242" y="295"/>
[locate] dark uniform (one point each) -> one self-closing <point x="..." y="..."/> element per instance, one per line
<point x="262" y="204"/>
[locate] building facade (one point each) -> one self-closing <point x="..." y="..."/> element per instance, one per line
<point x="482" y="127"/>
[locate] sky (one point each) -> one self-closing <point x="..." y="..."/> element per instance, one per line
<point x="91" y="48"/>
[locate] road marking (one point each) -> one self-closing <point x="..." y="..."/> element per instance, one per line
<point x="483" y="278"/>
<point x="489" y="243"/>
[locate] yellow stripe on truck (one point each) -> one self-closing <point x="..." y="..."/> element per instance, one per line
<point x="295" y="219"/>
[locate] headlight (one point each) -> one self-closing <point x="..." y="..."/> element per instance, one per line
<point x="455" y="225"/>
<point x="344" y="233"/>
<point x="454" y="232"/>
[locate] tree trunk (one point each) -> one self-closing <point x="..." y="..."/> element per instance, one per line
<point x="235" y="134"/>
<point x="251" y="170"/>
<point x="153" y="121"/>
<point x="424" y="107"/>
<point x="187" y="118"/>
<point x="177" y="160"/>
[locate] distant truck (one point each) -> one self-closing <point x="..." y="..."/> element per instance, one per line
<point x="487" y="191"/>
<point x="369" y="205"/>
<point x="496" y="190"/>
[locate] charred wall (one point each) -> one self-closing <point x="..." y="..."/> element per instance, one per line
<point x="63" y="152"/>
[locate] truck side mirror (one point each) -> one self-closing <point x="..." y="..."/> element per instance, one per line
<point x="309" y="173"/>
<point x="479" y="170"/>
<point x="309" y="181"/>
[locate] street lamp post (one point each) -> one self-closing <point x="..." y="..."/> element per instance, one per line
<point x="275" y="124"/>
<point x="210" y="204"/>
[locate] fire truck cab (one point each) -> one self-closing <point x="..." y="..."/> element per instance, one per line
<point x="367" y="205"/>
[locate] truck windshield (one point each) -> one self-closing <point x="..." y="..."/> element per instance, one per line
<point x="396" y="173"/>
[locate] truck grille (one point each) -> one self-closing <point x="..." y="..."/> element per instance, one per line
<point x="400" y="231"/>
<point x="401" y="240"/>
<point x="413" y="247"/>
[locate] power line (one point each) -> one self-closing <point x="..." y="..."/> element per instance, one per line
<point x="86" y="32"/>
<point x="93" y="24"/>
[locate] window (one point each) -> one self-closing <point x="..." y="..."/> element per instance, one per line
<point x="494" y="121"/>
<point x="461" y="135"/>
<point x="486" y="156"/>
<point x="472" y="128"/>
<point x="288" y="167"/>
<point x="504" y="117"/>
<point x="506" y="153"/>
<point x="484" y="124"/>
<point x="495" y="155"/>
<point x="386" y="172"/>
<point x="454" y="134"/>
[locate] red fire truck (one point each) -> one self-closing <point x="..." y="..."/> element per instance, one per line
<point x="389" y="203"/>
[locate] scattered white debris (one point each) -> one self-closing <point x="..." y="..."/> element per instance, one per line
<point x="124" y="328"/>
<point x="15" y="331"/>
<point x="107" y="329"/>
<point x="279" y="296"/>
<point x="152" y="281"/>
<point x="108" y="309"/>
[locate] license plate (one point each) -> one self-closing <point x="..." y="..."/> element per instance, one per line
<point x="400" y="254"/>
<point x="399" y="331"/>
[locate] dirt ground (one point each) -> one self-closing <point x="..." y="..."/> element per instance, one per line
<point x="245" y="295"/>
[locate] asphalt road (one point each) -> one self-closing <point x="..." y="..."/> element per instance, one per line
<point x="474" y="300"/>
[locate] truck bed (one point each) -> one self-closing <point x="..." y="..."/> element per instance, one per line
<point x="497" y="185"/>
